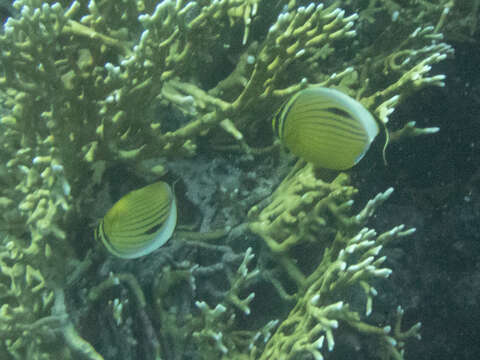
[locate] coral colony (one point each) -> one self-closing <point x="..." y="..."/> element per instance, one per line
<point x="269" y="259"/>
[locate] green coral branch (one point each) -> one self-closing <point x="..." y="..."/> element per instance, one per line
<point x="217" y="336"/>
<point x="75" y="28"/>
<point x="243" y="277"/>
<point x="88" y="87"/>
<point x="97" y="293"/>
<point x="297" y="214"/>
<point x="74" y="341"/>
<point x="348" y="262"/>
<point x="410" y="130"/>
<point x="318" y="312"/>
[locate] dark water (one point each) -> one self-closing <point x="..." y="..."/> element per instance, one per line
<point x="437" y="184"/>
<point x="6" y="10"/>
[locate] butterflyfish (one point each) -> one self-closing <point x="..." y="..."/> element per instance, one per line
<point x="140" y="222"/>
<point x="325" y="127"/>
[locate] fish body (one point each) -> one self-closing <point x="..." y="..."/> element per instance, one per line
<point x="325" y="127"/>
<point x="140" y="222"/>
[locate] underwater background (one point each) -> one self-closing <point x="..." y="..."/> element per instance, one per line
<point x="252" y="218"/>
<point x="438" y="191"/>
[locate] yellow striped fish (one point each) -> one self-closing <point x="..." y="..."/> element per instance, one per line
<point x="325" y="127"/>
<point x="140" y="222"/>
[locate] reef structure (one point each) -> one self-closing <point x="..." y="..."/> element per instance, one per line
<point x="148" y="86"/>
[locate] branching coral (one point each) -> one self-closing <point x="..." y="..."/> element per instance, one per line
<point x="298" y="213"/>
<point x="87" y="88"/>
<point x="221" y="319"/>
<point x="305" y="209"/>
